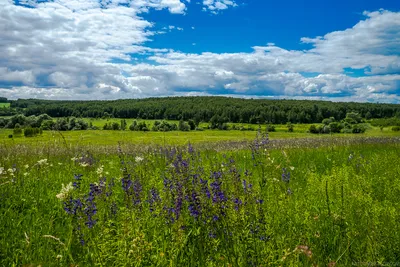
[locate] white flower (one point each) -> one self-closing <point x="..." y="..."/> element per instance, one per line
<point x="26" y="174"/>
<point x="42" y="162"/>
<point x="11" y="171"/>
<point x="60" y="163"/>
<point x="138" y="159"/>
<point x="65" y="191"/>
<point x="99" y="170"/>
<point x="292" y="168"/>
<point x="74" y="159"/>
<point x="26" y="166"/>
<point x="84" y="164"/>
<point x="1" y="170"/>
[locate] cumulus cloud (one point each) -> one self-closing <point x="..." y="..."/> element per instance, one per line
<point x="88" y="49"/>
<point x="217" y="5"/>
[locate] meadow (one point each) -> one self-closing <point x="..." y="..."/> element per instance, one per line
<point x="4" y="105"/>
<point x="168" y="202"/>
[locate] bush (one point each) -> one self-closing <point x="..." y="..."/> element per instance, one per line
<point x="17" y="130"/>
<point x="335" y="127"/>
<point x="183" y="126"/>
<point x="290" y="127"/>
<point x="115" y="126"/>
<point x="358" y="129"/>
<point x="270" y="128"/>
<point x="396" y="128"/>
<point x="313" y="129"/>
<point x="31" y="132"/>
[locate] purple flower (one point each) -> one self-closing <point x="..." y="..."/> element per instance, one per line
<point x="285" y="176"/>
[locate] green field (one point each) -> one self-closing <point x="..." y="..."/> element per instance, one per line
<point x="109" y="137"/>
<point x="4" y="105"/>
<point x="229" y="198"/>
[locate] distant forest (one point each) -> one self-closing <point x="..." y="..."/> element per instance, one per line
<point x="206" y="109"/>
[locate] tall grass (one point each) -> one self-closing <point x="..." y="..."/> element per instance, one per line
<point x="187" y="206"/>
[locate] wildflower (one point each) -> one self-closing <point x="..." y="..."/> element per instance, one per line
<point x="78" y="178"/>
<point x="84" y="164"/>
<point x="1" y="170"/>
<point x="60" y="163"/>
<point x="285" y="176"/>
<point x="42" y="162"/>
<point x="190" y="148"/>
<point x="65" y="191"/>
<point x="138" y="159"/>
<point x="11" y="171"/>
<point x="305" y="250"/>
<point x="99" y="170"/>
<point x="26" y="174"/>
<point x="26" y="166"/>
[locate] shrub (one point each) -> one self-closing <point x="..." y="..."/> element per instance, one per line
<point x="335" y="127"/>
<point x="290" y="127"/>
<point x="270" y="128"/>
<point x="358" y="129"/>
<point x="396" y="128"/>
<point x="313" y="129"/>
<point x="31" y="132"/>
<point x="115" y="126"/>
<point x="17" y="130"/>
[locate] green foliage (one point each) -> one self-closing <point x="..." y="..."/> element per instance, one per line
<point x="192" y="125"/>
<point x="199" y="109"/>
<point x="271" y="128"/>
<point x="328" y="121"/>
<point x="313" y="129"/>
<point x="183" y="126"/>
<point x="141" y="126"/>
<point x="386" y="122"/>
<point x="290" y="127"/>
<point x="17" y="129"/>
<point x="358" y="129"/>
<point x="335" y="127"/>
<point x="353" y="118"/>
<point x="164" y="126"/>
<point x="123" y="125"/>
<point x="396" y="128"/>
<point x="31" y="132"/>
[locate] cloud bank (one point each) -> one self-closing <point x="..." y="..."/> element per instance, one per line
<point x="88" y="49"/>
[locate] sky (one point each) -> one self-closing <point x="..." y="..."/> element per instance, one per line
<point x="113" y="49"/>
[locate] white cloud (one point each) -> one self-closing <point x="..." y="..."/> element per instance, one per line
<point x="216" y="5"/>
<point x="63" y="50"/>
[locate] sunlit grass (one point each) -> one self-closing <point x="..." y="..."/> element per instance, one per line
<point x="340" y="204"/>
<point x="4" y="105"/>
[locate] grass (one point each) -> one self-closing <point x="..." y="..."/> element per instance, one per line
<point x="101" y="137"/>
<point x="178" y="207"/>
<point x="4" y="105"/>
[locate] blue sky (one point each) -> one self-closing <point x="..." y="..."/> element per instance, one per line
<point x="97" y="49"/>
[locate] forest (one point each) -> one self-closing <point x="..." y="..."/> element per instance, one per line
<point x="204" y="109"/>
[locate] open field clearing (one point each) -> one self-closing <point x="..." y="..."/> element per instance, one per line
<point x="101" y="137"/>
<point x="4" y="105"/>
<point x="290" y="202"/>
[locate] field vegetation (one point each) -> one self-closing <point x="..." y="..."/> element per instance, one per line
<point x="189" y="188"/>
<point x="257" y="205"/>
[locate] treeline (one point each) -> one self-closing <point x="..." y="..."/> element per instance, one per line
<point x="217" y="110"/>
